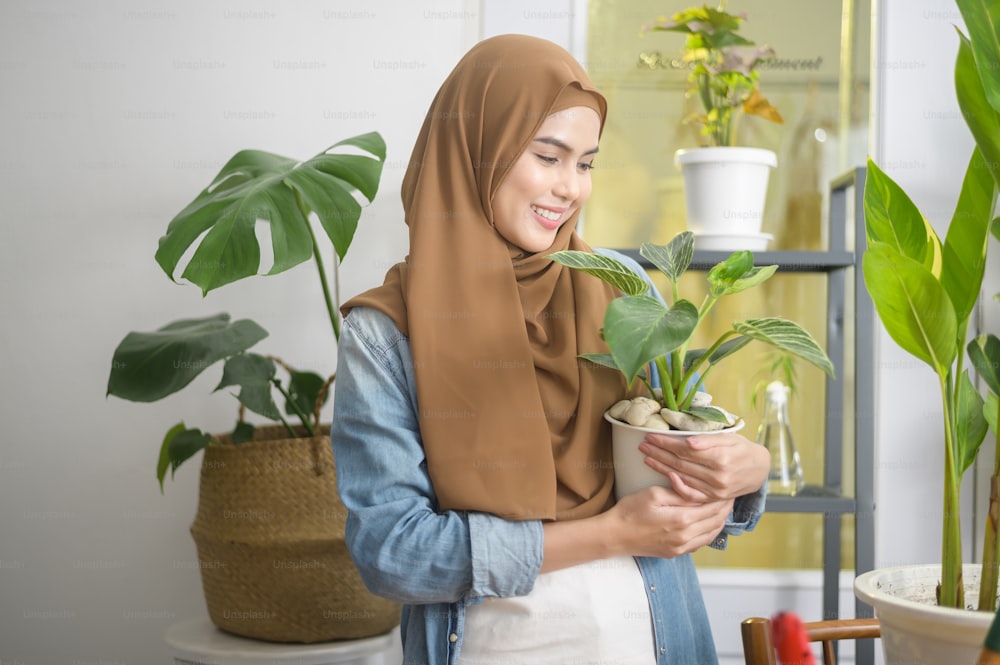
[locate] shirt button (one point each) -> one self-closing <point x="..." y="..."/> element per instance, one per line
<point x="652" y="587"/>
<point x="453" y="638"/>
<point x="663" y="650"/>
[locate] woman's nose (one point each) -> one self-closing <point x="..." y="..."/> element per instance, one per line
<point x="567" y="186"/>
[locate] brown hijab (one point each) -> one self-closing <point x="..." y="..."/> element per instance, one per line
<point x="510" y="417"/>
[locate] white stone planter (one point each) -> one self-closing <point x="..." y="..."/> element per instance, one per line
<point x="915" y="630"/>
<point x="631" y="472"/>
<point x="725" y="189"/>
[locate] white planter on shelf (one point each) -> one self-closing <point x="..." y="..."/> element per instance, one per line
<point x="725" y="189"/>
<point x="631" y="472"/>
<point x="915" y="630"/>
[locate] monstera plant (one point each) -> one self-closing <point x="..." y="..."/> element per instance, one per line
<point x="287" y="195"/>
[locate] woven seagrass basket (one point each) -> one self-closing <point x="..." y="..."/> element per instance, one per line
<point x="270" y="539"/>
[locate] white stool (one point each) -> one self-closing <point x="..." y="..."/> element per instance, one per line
<point x="198" y="642"/>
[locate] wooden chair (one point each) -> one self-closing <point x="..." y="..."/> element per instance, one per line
<point x="759" y="650"/>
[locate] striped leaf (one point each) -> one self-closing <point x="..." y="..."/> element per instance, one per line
<point x="673" y="258"/>
<point x="787" y="336"/>
<point x="605" y="268"/>
<point x="640" y="328"/>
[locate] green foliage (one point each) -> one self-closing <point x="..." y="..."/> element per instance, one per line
<point x="925" y="290"/>
<point x="642" y="332"/>
<point x="253" y="188"/>
<point x="724" y="71"/>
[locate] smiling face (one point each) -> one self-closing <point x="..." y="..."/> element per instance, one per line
<point x="550" y="181"/>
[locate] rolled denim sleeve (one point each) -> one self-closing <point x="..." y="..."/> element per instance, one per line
<point x="747" y="511"/>
<point x="404" y="547"/>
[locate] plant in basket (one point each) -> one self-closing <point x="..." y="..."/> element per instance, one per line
<point x="268" y="506"/>
<point x="252" y="186"/>
<point x="649" y="339"/>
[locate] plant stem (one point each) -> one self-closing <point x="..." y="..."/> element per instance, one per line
<point x="988" y="579"/>
<point x="666" y="385"/>
<point x="321" y="268"/>
<point x="952" y="591"/>
<point x="295" y="407"/>
<point x="991" y="554"/>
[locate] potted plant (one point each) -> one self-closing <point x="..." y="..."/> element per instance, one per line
<point x="925" y="292"/>
<point x="649" y="339"/>
<point x="724" y="77"/>
<point x="270" y="525"/>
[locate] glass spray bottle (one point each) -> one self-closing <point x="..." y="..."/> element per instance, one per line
<point x="775" y="434"/>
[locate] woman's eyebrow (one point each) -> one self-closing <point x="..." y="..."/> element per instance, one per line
<point x="550" y="140"/>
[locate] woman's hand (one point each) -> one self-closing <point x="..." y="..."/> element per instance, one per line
<point x="708" y="468"/>
<point x="658" y="522"/>
<point x="654" y="522"/>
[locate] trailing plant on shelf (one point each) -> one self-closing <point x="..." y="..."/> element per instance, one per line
<point x="725" y="69"/>
<point x="220" y="222"/>
<point x="646" y="335"/>
<point x="926" y="291"/>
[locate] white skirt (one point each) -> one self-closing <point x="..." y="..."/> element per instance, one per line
<point x="596" y="612"/>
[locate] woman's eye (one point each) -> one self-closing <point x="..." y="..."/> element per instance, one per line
<point x="548" y="160"/>
<point x="586" y="167"/>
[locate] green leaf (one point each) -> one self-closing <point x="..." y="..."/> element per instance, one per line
<point x="149" y="366"/>
<point x="980" y="116"/>
<point x="970" y="423"/>
<point x="253" y="373"/>
<point x="891" y="217"/>
<point x="984" y="353"/>
<point x="179" y="444"/>
<point x="163" y="464"/>
<point x="751" y="279"/>
<point x="255" y="185"/>
<point x="724" y="276"/>
<point x="184" y="445"/>
<point x="991" y="410"/>
<point x="963" y="256"/>
<point x="605" y="268"/>
<point x="913" y="306"/>
<point x="303" y="389"/>
<point x="640" y="328"/>
<point x="982" y="20"/>
<point x="602" y="359"/>
<point x="727" y="348"/>
<point x="243" y="432"/>
<point x="787" y="336"/>
<point x="709" y="413"/>
<point x="673" y="258"/>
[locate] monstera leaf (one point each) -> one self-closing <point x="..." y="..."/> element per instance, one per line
<point x="256" y="186"/>
<point x="148" y="366"/>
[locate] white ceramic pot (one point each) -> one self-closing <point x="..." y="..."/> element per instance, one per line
<point x="915" y="630"/>
<point x="631" y="472"/>
<point x="725" y="189"/>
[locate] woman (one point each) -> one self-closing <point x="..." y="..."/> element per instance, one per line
<point x="471" y="452"/>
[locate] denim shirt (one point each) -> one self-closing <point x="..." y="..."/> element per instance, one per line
<point x="436" y="562"/>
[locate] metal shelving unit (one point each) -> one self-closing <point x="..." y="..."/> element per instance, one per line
<point x="829" y="499"/>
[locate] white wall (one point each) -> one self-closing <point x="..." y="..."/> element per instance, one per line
<point x="114" y="114"/>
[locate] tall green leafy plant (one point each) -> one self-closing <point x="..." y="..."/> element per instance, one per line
<point x="925" y="291"/>
<point x="642" y="332"/>
<point x="725" y="70"/>
<point x="253" y="187"/>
